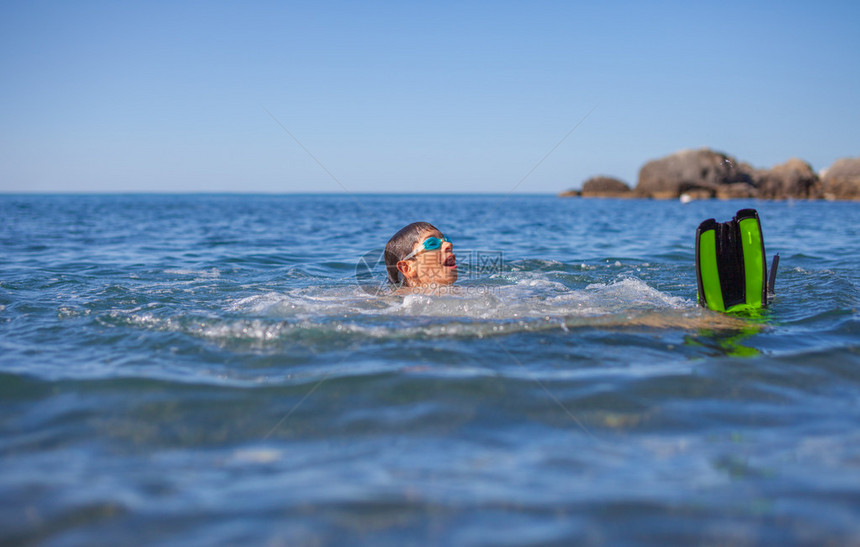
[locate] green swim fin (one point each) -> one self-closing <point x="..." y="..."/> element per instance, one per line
<point x="731" y="270"/>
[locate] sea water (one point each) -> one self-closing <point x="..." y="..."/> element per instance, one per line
<point x="233" y="369"/>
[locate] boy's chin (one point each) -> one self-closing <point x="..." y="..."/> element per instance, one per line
<point x="449" y="279"/>
<point x="441" y="282"/>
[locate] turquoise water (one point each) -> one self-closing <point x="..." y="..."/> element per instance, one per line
<point x="225" y="369"/>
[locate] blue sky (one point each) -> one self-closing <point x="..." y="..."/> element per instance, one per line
<point x="402" y="97"/>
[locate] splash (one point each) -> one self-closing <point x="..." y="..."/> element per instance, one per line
<point x="325" y="317"/>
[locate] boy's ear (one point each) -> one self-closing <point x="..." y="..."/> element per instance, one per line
<point x="406" y="268"/>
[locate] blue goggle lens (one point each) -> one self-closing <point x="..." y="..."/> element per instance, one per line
<point x="432" y="243"/>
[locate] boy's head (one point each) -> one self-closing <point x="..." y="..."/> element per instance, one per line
<point x="419" y="255"/>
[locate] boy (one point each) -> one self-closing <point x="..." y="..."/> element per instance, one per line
<point x="419" y="259"/>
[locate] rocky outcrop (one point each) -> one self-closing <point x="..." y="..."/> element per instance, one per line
<point x="793" y="179"/>
<point x="842" y="180"/>
<point x="705" y="174"/>
<point x="607" y="187"/>
<point x="700" y="172"/>
<point x="736" y="190"/>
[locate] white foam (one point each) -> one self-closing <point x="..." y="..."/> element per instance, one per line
<point x="532" y="295"/>
<point x="634" y="293"/>
<point x="534" y="301"/>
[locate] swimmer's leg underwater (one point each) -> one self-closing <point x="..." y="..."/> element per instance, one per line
<point x="731" y="267"/>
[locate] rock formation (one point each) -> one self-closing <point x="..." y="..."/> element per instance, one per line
<point x="705" y="173"/>
<point x="793" y="179"/>
<point x="842" y="180"/>
<point x="702" y="171"/>
<point x="602" y="186"/>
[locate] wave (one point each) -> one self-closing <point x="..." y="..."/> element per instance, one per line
<point x="531" y="295"/>
<point x="329" y="315"/>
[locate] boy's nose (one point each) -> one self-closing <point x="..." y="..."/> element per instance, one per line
<point x="447" y="246"/>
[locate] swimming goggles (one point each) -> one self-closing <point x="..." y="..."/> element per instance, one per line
<point x="429" y="244"/>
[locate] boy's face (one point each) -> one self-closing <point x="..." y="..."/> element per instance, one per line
<point x="436" y="266"/>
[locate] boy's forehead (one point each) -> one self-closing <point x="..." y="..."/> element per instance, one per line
<point x="429" y="232"/>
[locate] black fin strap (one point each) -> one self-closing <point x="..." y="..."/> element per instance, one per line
<point x="771" y="282"/>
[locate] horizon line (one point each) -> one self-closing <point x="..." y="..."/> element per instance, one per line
<point x="252" y="193"/>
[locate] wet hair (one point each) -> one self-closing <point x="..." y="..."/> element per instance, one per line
<point x="400" y="245"/>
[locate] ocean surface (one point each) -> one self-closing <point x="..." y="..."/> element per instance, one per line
<point x="232" y="369"/>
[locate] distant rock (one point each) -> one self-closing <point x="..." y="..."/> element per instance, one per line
<point x="694" y="172"/>
<point x="607" y="187"/>
<point x="736" y="190"/>
<point x="793" y="179"/>
<point x="706" y="174"/>
<point x="842" y="180"/>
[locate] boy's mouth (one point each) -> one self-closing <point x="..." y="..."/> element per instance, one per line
<point x="450" y="262"/>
